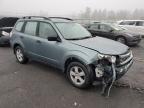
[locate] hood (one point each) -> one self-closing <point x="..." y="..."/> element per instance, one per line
<point x="129" y="32"/>
<point x="134" y="29"/>
<point x="102" y="45"/>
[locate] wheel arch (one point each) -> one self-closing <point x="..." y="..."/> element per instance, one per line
<point x="121" y="36"/>
<point x="14" y="46"/>
<point x="73" y="59"/>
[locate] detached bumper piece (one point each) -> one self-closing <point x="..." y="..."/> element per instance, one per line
<point x="108" y="83"/>
<point x="113" y="71"/>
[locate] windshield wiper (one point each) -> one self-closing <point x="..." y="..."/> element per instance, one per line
<point x="86" y="37"/>
<point x="80" y="38"/>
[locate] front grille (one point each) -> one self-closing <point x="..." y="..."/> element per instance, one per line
<point x="124" y="58"/>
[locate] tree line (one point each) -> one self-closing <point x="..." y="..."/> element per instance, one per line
<point x="112" y="15"/>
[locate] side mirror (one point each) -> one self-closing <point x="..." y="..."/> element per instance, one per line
<point x="111" y="30"/>
<point x="54" y="39"/>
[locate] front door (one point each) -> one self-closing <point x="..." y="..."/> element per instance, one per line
<point x="48" y="51"/>
<point x="106" y="31"/>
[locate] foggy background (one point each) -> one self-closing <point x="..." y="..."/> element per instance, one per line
<point x="77" y="9"/>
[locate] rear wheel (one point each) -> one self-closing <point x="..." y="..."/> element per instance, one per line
<point x="21" y="58"/>
<point x="79" y="75"/>
<point x="121" y="40"/>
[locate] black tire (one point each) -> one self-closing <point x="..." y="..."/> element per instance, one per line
<point x="121" y="39"/>
<point x="1" y="45"/>
<point x="87" y="78"/>
<point x="24" y="59"/>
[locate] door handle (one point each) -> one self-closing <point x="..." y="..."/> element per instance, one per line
<point x="21" y="37"/>
<point x="38" y="41"/>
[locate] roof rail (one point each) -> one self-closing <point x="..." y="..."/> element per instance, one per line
<point x="30" y="17"/>
<point x="47" y="18"/>
<point x="62" y="18"/>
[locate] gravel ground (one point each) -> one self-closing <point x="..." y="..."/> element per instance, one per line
<point x="36" y="85"/>
<point x="135" y="76"/>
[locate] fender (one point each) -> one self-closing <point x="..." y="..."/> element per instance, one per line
<point x="81" y="56"/>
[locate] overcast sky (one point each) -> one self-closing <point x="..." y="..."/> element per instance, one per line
<point x="63" y="7"/>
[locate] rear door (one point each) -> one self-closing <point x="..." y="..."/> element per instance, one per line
<point x="29" y="37"/>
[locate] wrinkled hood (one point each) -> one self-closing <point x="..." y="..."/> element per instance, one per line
<point x="102" y="45"/>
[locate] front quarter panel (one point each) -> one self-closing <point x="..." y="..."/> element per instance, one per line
<point x="86" y="56"/>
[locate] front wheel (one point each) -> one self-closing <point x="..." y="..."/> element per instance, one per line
<point x="79" y="75"/>
<point x="21" y="58"/>
<point x="121" y="40"/>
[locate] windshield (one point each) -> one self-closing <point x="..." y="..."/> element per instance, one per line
<point x="116" y="27"/>
<point x="73" y="31"/>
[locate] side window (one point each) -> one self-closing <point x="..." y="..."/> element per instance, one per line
<point x="131" y="23"/>
<point x="46" y="30"/>
<point x="127" y="23"/>
<point x="94" y="27"/>
<point x="105" y="28"/>
<point x="122" y="23"/>
<point x="139" y="23"/>
<point x="19" y="26"/>
<point x="30" y="28"/>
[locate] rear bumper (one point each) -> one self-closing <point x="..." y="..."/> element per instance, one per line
<point x="4" y="41"/>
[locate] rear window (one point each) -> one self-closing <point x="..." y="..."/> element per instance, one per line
<point x="94" y="27"/>
<point x="30" y="28"/>
<point x="104" y="27"/>
<point x="19" y="26"/>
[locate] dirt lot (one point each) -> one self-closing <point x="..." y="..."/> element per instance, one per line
<point x="39" y="86"/>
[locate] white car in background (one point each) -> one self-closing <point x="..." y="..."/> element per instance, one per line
<point x="134" y="25"/>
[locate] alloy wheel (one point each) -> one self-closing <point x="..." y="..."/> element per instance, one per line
<point x="121" y="40"/>
<point x="19" y="55"/>
<point x="77" y="75"/>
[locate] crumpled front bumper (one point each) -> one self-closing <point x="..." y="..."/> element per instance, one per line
<point x="121" y="70"/>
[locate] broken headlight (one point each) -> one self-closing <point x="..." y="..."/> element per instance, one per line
<point x="111" y="59"/>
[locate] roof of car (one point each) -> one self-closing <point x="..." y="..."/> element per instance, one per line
<point x="130" y="20"/>
<point x="53" y="19"/>
<point x="106" y="23"/>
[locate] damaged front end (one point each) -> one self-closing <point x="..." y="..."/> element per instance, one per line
<point x="110" y="68"/>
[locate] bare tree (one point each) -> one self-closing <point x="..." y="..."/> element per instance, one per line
<point x="111" y="15"/>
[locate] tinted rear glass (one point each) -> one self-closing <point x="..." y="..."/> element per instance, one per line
<point x="139" y="23"/>
<point x="19" y="26"/>
<point x="94" y="27"/>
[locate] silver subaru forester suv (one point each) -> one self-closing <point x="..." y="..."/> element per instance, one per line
<point x="65" y="44"/>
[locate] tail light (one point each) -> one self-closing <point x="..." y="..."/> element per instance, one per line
<point x="10" y="34"/>
<point x="4" y="33"/>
